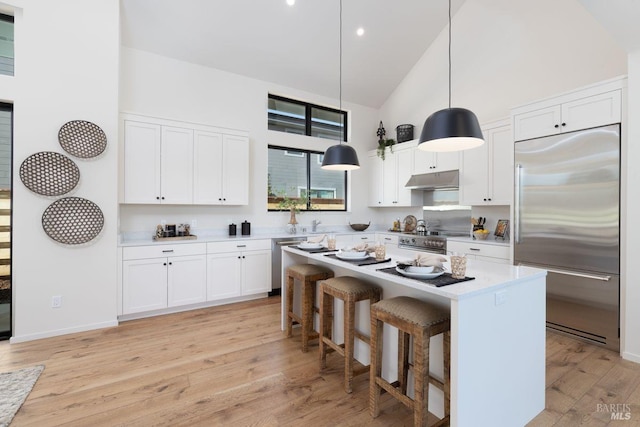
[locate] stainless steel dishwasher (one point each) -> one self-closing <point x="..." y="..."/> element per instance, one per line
<point x="276" y="260"/>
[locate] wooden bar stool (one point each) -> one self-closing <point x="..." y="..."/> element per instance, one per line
<point x="420" y="320"/>
<point x="307" y="275"/>
<point x="350" y="290"/>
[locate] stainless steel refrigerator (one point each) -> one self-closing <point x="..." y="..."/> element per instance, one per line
<point x="567" y="221"/>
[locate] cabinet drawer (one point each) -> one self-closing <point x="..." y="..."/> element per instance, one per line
<point x="481" y="249"/>
<point x="238" y="245"/>
<point x="158" y="251"/>
<point x="389" y="239"/>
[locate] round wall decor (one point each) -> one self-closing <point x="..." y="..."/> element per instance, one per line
<point x="72" y="220"/>
<point x="82" y="139"/>
<point x="49" y="173"/>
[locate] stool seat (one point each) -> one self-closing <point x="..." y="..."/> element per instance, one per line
<point x="412" y="311"/>
<point x="350" y="290"/>
<point x="418" y="320"/>
<point x="307" y="275"/>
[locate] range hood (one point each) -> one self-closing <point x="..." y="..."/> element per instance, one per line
<point x="434" y="181"/>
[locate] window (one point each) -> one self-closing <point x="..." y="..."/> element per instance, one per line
<point x="303" y="118"/>
<point x="301" y="179"/>
<point x="6" y="45"/>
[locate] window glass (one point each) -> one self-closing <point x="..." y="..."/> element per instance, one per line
<point x="299" y="181"/>
<point x="327" y="124"/>
<point x="286" y="116"/>
<point x="6" y="45"/>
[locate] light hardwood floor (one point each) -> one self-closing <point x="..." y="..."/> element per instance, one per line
<point x="232" y="366"/>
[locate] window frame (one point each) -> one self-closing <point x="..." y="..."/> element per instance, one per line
<point x="308" y="107"/>
<point x="309" y="207"/>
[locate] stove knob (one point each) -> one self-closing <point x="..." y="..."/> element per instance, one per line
<point x="413" y="240"/>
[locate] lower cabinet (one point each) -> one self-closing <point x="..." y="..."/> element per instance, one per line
<point x="481" y="251"/>
<point x="238" y="269"/>
<point x="162" y="276"/>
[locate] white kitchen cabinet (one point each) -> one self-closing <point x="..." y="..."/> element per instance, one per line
<point x="478" y="250"/>
<point x="161" y="276"/>
<point x="238" y="268"/>
<point x="579" y="110"/>
<point x="429" y="161"/>
<point x="170" y="162"/>
<point x="158" y="161"/>
<point x="486" y="175"/>
<point x="353" y="239"/>
<point x="221" y="169"/>
<point x="390" y="176"/>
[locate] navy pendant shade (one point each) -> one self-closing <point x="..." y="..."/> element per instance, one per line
<point x="451" y="129"/>
<point x="340" y="157"/>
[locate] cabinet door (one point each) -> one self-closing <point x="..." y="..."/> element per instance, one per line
<point x="144" y="285"/>
<point x="537" y="123"/>
<point x="208" y="166"/>
<point x="256" y="272"/>
<point x="177" y="166"/>
<point x="389" y="180"/>
<point x="224" y="275"/>
<point x="474" y="173"/>
<point x="424" y="161"/>
<point x="447" y="161"/>
<point x="141" y="162"/>
<point x="375" y="180"/>
<point x="187" y="280"/>
<point x="235" y="170"/>
<point x="501" y="166"/>
<point x="404" y="168"/>
<point x="593" y="111"/>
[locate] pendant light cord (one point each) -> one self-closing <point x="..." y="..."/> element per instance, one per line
<point x="340" y="83"/>
<point x="449" y="52"/>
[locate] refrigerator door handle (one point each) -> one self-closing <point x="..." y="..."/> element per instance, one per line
<point x="569" y="273"/>
<point x="516" y="211"/>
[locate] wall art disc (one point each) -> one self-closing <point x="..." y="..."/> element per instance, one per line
<point x="72" y="220"/>
<point x="82" y="139"/>
<point x="49" y="173"/>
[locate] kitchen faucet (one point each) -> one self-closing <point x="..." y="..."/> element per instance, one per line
<point x="314" y="225"/>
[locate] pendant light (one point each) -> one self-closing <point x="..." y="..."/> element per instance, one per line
<point x="341" y="157"/>
<point x="451" y="129"/>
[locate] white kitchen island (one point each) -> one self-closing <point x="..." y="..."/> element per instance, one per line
<point x="497" y="336"/>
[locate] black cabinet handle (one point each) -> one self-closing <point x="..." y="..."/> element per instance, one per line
<point x="564" y="124"/>
<point x="489" y="199"/>
<point x="474" y="249"/>
<point x="170" y="263"/>
<point x="243" y="257"/>
<point x="164" y="263"/>
<point x="484" y="199"/>
<point x="238" y="256"/>
<point x="162" y="197"/>
<point x="158" y="198"/>
<point x="556" y="126"/>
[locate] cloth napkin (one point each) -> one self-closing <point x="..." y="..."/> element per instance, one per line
<point x="316" y="239"/>
<point x="364" y="247"/>
<point x="427" y="260"/>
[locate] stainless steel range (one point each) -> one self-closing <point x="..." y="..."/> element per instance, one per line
<point x="431" y="243"/>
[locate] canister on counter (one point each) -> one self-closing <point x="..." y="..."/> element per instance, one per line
<point x="246" y="228"/>
<point x="232" y="229"/>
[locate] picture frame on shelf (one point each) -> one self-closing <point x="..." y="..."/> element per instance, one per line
<point x="502" y="229"/>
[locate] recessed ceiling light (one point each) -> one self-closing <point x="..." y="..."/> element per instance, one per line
<point x="291" y="2"/>
<point x="360" y="31"/>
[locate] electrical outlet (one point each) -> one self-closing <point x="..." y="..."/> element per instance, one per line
<point x="501" y="297"/>
<point x="194" y="223"/>
<point x="163" y="222"/>
<point x="56" y="301"/>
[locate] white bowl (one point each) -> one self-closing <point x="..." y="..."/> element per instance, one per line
<point x="420" y="270"/>
<point x="353" y="254"/>
<point x="309" y="245"/>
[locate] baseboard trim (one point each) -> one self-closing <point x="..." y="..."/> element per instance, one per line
<point x="631" y="356"/>
<point x="66" y="331"/>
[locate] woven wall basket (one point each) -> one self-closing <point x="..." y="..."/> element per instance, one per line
<point x="82" y="139"/>
<point x="49" y="174"/>
<point x="72" y="220"/>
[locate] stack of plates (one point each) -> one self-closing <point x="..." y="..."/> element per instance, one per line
<point x="310" y="245"/>
<point x="352" y="255"/>
<point x="420" y="272"/>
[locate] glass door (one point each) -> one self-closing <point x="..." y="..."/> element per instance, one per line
<point x="6" y="139"/>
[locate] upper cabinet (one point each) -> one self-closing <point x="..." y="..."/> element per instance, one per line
<point x="597" y="105"/>
<point x="168" y="162"/>
<point x="389" y="176"/>
<point x="486" y="175"/>
<point x="429" y="161"/>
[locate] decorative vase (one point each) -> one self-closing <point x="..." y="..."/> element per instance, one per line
<point x="292" y="219"/>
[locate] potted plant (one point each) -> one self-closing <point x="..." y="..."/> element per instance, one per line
<point x="383" y="143"/>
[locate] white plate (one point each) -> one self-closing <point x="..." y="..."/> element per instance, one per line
<point x="408" y="273"/>
<point x="309" y="245"/>
<point x="352" y="256"/>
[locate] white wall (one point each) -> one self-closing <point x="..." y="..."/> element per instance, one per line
<point x="66" y="69"/>
<point x="159" y="86"/>
<point x="630" y="292"/>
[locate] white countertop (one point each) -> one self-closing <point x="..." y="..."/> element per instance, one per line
<point x="489" y="276"/>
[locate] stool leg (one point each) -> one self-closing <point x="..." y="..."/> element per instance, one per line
<point x="349" y="314"/>
<point x="403" y="360"/>
<point x="375" y="369"/>
<point x="307" y="313"/>
<point x="421" y="377"/>
<point x="447" y="373"/>
<point x="289" y="304"/>
<point x="326" y="321"/>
